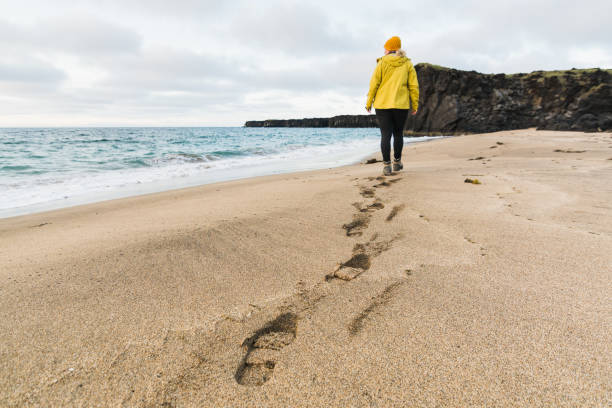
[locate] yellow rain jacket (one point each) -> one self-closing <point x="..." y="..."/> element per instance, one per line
<point x="394" y="84"/>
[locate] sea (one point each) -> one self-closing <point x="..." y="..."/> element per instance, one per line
<point x="49" y="168"/>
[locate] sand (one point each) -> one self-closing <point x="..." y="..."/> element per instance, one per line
<point x="329" y="288"/>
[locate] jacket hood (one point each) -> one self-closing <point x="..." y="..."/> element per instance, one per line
<point x="394" y="60"/>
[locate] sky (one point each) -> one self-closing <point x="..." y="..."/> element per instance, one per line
<point x="214" y="63"/>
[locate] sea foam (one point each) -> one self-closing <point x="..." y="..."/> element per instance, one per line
<point x="42" y="169"/>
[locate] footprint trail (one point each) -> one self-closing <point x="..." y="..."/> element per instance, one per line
<point x="258" y="364"/>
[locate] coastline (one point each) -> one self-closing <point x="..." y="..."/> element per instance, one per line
<point x="142" y="190"/>
<point x="447" y="293"/>
<point x="127" y="188"/>
<point x="205" y="178"/>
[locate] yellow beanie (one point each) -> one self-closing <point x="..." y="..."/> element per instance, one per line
<point x="393" y="44"/>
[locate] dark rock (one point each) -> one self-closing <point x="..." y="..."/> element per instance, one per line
<point x="455" y="102"/>
<point x="342" y="121"/>
<point x="311" y="122"/>
<point x="353" y="121"/>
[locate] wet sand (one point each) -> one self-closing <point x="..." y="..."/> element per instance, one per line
<point x="328" y="288"/>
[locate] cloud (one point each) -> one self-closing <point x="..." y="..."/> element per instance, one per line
<point x="84" y="35"/>
<point x="520" y="36"/>
<point x="166" y="69"/>
<point x="80" y="35"/>
<point x="30" y="71"/>
<point x="293" y="29"/>
<point x="209" y="62"/>
<point x="161" y="8"/>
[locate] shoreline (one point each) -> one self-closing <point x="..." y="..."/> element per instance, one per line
<point x="161" y="186"/>
<point x="326" y="287"/>
<point x="152" y="189"/>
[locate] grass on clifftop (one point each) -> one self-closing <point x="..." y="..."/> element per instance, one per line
<point x="545" y="74"/>
<point x="550" y="74"/>
<point x="434" y="66"/>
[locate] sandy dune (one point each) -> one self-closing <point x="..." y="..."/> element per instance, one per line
<point x="329" y="288"/>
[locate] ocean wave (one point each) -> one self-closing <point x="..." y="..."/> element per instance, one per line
<point x="73" y="170"/>
<point x="103" y="140"/>
<point x="15" y="168"/>
<point x="182" y="158"/>
<point x="137" y="162"/>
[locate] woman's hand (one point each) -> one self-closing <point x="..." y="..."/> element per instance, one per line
<point x="414" y="112"/>
<point x="369" y="109"/>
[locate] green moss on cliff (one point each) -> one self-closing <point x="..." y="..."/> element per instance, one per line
<point x="434" y="66"/>
<point x="562" y="76"/>
<point x="544" y="74"/>
<point x="561" y="73"/>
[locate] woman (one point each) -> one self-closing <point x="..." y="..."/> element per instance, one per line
<point x="394" y="89"/>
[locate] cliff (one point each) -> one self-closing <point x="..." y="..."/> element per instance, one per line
<point x="454" y="102"/>
<point x="342" y="121"/>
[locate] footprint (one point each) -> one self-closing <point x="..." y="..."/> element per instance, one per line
<point x="358" y="261"/>
<point x="349" y="270"/>
<point x="360" y="222"/>
<point x="376" y="205"/>
<point x="385" y="183"/>
<point x="366" y="192"/>
<point x="377" y="302"/>
<point x="361" y="259"/>
<point x="569" y="151"/>
<point x="394" y="211"/>
<point x="40" y="225"/>
<point x="258" y="364"/>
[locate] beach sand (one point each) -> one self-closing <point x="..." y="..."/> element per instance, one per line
<point x="333" y="288"/>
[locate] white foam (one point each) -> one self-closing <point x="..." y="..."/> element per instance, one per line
<point x="54" y="192"/>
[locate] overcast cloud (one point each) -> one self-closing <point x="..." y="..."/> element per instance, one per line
<point x="205" y="63"/>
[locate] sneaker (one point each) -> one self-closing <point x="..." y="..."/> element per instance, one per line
<point x="397" y="165"/>
<point x="387" y="169"/>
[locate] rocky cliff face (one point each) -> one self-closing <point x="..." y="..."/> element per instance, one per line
<point x="453" y="101"/>
<point x="343" y="121"/>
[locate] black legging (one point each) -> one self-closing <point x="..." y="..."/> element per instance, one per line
<point x="391" y="121"/>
